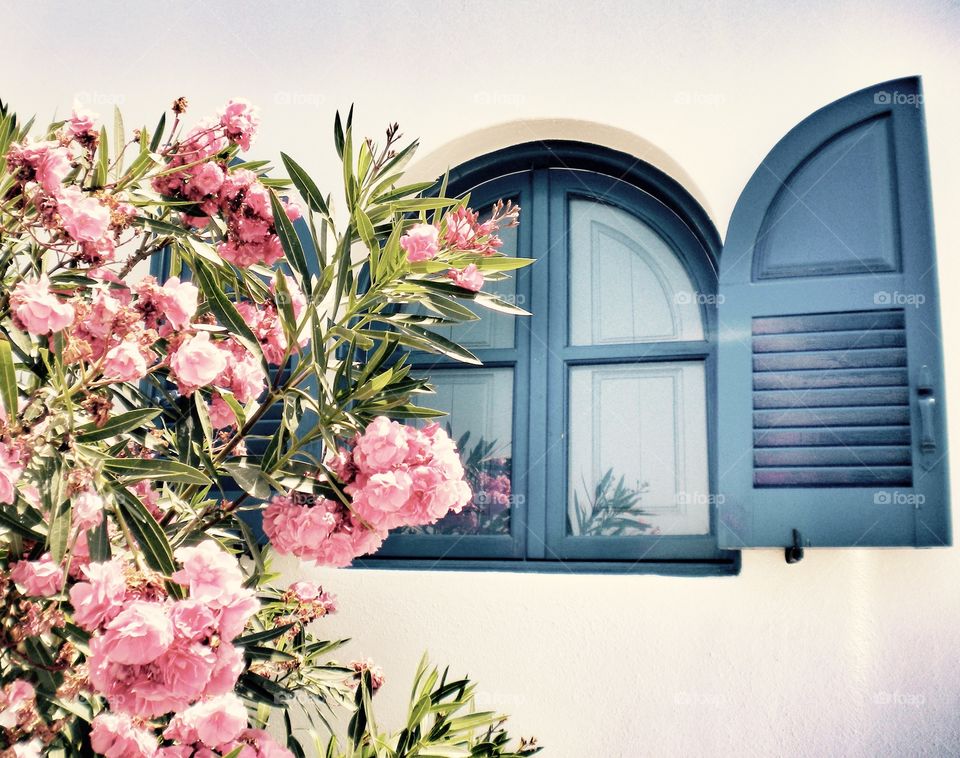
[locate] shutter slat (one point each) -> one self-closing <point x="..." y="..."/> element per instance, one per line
<point x="875" y="435"/>
<point x="782" y="457"/>
<point x="886" y="377"/>
<point x="831" y="417"/>
<point x="826" y="398"/>
<point x="857" y="339"/>
<point x="829" y="322"/>
<point x="861" y="476"/>
<point x="830" y="359"/>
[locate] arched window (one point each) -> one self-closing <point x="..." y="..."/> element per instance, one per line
<point x="588" y="431"/>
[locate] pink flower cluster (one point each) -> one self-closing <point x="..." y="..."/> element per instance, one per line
<point x="395" y="475"/>
<point x="462" y="233"/>
<point x="240" y="196"/>
<point x="209" y="728"/>
<point x="151" y="654"/>
<point x="90" y="220"/>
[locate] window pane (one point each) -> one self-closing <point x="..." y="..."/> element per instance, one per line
<point x="626" y="284"/>
<point x="480" y="404"/>
<point x="638" y="450"/>
<point x="493" y="329"/>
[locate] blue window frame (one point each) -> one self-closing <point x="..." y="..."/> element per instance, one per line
<point x="632" y="214"/>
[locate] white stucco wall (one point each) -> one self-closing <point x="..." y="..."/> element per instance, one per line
<point x="850" y="652"/>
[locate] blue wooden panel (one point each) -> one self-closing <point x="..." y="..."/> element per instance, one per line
<point x="830" y="371"/>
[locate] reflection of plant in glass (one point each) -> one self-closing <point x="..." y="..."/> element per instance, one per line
<point x="612" y="512"/>
<point x="488" y="475"/>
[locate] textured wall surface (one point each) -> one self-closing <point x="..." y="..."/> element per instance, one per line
<point x="847" y="653"/>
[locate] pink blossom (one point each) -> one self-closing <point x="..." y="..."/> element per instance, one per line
<point x="38" y="309"/>
<point x="220" y="412"/>
<point x="305" y="591"/>
<point x="420" y="242"/>
<point x="125" y="362"/>
<point x="198" y="361"/>
<point x="81" y="121"/>
<point x="324" y="533"/>
<point x="46" y="163"/>
<point x="87" y="509"/>
<point x="149" y="496"/>
<point x="240" y="121"/>
<point x="470" y="278"/>
<point x="367" y="666"/>
<point x="179" y="302"/>
<point x="236" y="608"/>
<point x="114" y="735"/>
<point x="292" y="527"/>
<point x="380" y="499"/>
<point x="243" y="375"/>
<point x="382" y="446"/>
<point x="103" y="313"/>
<point x="140" y="633"/>
<point x="16" y="698"/>
<point x="11" y="469"/>
<point x="227" y="669"/>
<point x="214" y="722"/>
<point x="205" y="180"/>
<point x="42" y="578"/>
<point x="100" y="598"/>
<point x="28" y="749"/>
<point x="292" y="208"/>
<point x="186" y="667"/>
<point x="209" y="571"/>
<point x="264" y="744"/>
<point x="192" y="620"/>
<point x="82" y="216"/>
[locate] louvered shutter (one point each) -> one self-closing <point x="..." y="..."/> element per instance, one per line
<point x="830" y="379"/>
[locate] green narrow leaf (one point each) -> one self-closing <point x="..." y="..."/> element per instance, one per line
<point x="8" y="379"/>
<point x="118" y="140"/>
<point x="103" y="160"/>
<point x="158" y="133"/>
<point x="98" y="542"/>
<point x="138" y="469"/>
<point x="146" y="530"/>
<point x="227" y="312"/>
<point x="59" y="535"/>
<point x="250" y="478"/>
<point x="120" y="424"/>
<point x="305" y="185"/>
<point x="290" y="242"/>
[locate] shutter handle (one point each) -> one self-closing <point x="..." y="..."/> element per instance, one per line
<point x="927" y="403"/>
<point x="794" y="553"/>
